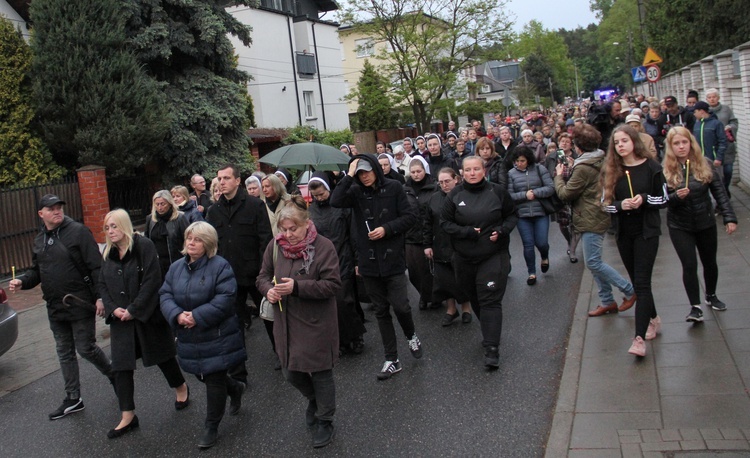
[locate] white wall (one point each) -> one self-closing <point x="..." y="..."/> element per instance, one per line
<point x="269" y="60"/>
<point x="9" y="13"/>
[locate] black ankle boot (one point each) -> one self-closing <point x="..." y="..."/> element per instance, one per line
<point x="491" y="358"/>
<point x="208" y="439"/>
<point x="310" y="419"/>
<point x="324" y="435"/>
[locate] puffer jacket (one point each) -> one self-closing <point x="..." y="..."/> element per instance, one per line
<point x="421" y="192"/>
<point x="536" y="178"/>
<point x="695" y="212"/>
<point x="582" y="191"/>
<point x="207" y="288"/>
<point x="383" y="204"/>
<point x="190" y="209"/>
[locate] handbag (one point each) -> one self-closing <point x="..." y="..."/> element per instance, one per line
<point x="265" y="311"/>
<point x="551" y="204"/>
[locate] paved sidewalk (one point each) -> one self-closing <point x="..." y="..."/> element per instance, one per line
<point x="690" y="392"/>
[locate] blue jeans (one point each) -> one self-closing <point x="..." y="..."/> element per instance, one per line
<point x="604" y="275"/>
<point x="534" y="231"/>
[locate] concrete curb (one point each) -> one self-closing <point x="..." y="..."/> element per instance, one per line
<point x="558" y="442"/>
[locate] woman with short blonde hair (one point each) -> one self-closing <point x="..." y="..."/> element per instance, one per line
<point x="207" y="234"/>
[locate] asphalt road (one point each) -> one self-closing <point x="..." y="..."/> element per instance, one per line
<point x="445" y="404"/>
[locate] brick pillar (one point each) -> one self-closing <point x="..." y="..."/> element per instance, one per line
<point x="92" y="184"/>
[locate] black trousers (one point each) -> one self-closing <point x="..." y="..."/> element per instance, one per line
<point x="350" y="323"/>
<point x="318" y="388"/>
<point x="638" y="255"/>
<point x="218" y="386"/>
<point x="387" y="292"/>
<point x="485" y="283"/>
<point x="685" y="243"/>
<point x="445" y="286"/>
<point x="125" y="386"/>
<point x="419" y="271"/>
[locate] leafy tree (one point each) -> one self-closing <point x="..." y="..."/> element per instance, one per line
<point x="95" y="103"/>
<point x="302" y="134"/>
<point x="621" y="25"/>
<point x="184" y="45"/>
<point x="583" y="47"/>
<point x="685" y="31"/>
<point x="25" y="158"/>
<point x="601" y="7"/>
<point x="428" y="43"/>
<point x="374" y="111"/>
<point x="539" y="74"/>
<point x="550" y="51"/>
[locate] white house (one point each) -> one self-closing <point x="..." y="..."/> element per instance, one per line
<point x="295" y="61"/>
<point x="17" y="11"/>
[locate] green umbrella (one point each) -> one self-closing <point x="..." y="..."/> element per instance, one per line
<point x="303" y="156"/>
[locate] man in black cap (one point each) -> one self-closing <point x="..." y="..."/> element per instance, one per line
<point x="677" y="115"/>
<point x="381" y="216"/>
<point x="66" y="260"/>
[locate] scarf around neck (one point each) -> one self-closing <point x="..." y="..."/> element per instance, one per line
<point x="304" y="249"/>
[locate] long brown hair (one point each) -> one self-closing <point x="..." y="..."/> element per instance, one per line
<point x="699" y="167"/>
<point x="614" y="166"/>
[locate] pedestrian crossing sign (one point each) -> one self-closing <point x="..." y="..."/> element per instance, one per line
<point x="639" y="74"/>
<point x="651" y="58"/>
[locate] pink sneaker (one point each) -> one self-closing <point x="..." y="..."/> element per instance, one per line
<point x="638" y="348"/>
<point x="654" y="328"/>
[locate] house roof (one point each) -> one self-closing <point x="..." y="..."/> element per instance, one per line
<point x="327" y="5"/>
<point x="21" y="7"/>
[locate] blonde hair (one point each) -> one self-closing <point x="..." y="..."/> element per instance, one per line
<point x="207" y="234"/>
<point x="699" y="167"/>
<point x="182" y="190"/>
<point x="277" y="185"/>
<point x="214" y="185"/>
<point x="122" y="220"/>
<point x="166" y="195"/>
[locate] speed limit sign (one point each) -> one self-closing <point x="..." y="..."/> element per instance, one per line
<point x="653" y="73"/>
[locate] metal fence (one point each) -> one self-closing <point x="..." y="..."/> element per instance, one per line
<point x="133" y="194"/>
<point x="19" y="221"/>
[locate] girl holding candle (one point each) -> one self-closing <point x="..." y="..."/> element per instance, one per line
<point x="633" y="189"/>
<point x="690" y="216"/>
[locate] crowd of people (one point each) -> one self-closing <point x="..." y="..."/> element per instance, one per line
<point x="436" y="211"/>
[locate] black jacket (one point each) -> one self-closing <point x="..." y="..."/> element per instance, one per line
<point x="682" y="118"/>
<point x="421" y="192"/>
<point x="175" y="238"/>
<point x="434" y="236"/>
<point x="61" y="260"/>
<point x="394" y="175"/>
<point x="244" y="232"/>
<point x="695" y="212"/>
<point x="383" y="204"/>
<point x="484" y="205"/>
<point x="496" y="172"/>
<point x="133" y="283"/>
<point x="334" y="224"/>
<point x="439" y="162"/>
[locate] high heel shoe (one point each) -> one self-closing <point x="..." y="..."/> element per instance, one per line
<point x="115" y="433"/>
<point x="179" y="405"/>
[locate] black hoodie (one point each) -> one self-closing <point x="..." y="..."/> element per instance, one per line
<point x="382" y="204"/>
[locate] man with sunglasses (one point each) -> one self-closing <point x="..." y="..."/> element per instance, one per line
<point x="66" y="260"/>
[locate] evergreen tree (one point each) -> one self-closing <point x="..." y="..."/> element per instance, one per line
<point x="374" y="103"/>
<point x="184" y="45"/>
<point x="25" y="158"/>
<point x="95" y="102"/>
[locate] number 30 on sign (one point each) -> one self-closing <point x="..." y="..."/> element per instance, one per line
<point x="653" y="73"/>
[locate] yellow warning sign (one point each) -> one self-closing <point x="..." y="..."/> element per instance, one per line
<point x="651" y="58"/>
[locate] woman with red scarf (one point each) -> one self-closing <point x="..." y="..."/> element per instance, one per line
<point x="300" y="276"/>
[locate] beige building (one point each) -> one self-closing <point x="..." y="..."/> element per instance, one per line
<point x="355" y="49"/>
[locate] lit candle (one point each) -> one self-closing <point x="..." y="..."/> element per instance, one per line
<point x="630" y="184"/>
<point x="13" y="270"/>
<point x="687" y="172"/>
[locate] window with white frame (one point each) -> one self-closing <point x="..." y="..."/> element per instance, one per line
<point x="309" y="104"/>
<point x="364" y="47"/>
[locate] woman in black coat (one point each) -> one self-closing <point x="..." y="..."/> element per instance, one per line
<point x="166" y="228"/>
<point x="690" y="216"/>
<point x="129" y="282"/>
<point x="420" y="185"/>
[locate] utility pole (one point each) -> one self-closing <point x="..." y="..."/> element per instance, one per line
<point x="575" y="67"/>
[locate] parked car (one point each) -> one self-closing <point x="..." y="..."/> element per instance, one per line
<point x="8" y="324"/>
<point x="301" y="182"/>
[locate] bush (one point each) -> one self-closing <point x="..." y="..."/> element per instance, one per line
<point x="335" y="138"/>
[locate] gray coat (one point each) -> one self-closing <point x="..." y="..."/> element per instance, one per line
<point x="727" y="117"/>
<point x="535" y="178"/>
<point x="133" y="283"/>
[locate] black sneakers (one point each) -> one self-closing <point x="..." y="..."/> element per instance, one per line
<point x="715" y="303"/>
<point x="491" y="358"/>
<point x="695" y="315"/>
<point x="415" y="346"/>
<point x="389" y="368"/>
<point x="68" y="406"/>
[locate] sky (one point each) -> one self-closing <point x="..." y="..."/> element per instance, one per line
<point x="553" y="14"/>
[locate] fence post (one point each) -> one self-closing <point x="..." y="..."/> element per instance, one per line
<point x="92" y="184"/>
<point x="742" y="136"/>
